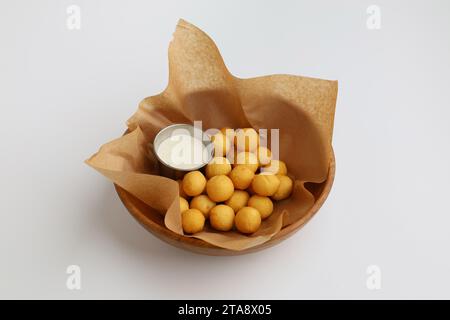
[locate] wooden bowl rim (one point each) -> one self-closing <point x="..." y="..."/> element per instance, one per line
<point x="163" y="233"/>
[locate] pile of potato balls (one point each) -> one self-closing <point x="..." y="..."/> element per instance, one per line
<point x="238" y="193"/>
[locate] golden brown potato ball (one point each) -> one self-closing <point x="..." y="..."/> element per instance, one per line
<point x="265" y="184"/>
<point x="218" y="166"/>
<point x="263" y="204"/>
<point x="238" y="200"/>
<point x="202" y="203"/>
<point x="246" y="139"/>
<point x="285" y="188"/>
<point x="222" y="217"/>
<point x="247" y="159"/>
<point x="184" y="204"/>
<point x="180" y="189"/>
<point x="242" y="177"/>
<point x="221" y="144"/>
<point x="247" y="220"/>
<point x="192" y="221"/>
<point x="264" y="155"/>
<point x="275" y="167"/>
<point x="219" y="188"/>
<point x="194" y="183"/>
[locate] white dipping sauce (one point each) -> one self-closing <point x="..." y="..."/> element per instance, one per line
<point x="182" y="151"/>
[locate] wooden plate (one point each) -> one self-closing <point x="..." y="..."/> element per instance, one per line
<point x="154" y="221"/>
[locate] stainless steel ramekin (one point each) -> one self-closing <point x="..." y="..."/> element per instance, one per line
<point x="174" y="172"/>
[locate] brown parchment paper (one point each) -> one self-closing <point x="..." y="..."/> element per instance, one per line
<point x="201" y="88"/>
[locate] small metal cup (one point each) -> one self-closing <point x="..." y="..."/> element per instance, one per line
<point x="171" y="171"/>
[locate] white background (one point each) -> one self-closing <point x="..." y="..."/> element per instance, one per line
<point x="64" y="93"/>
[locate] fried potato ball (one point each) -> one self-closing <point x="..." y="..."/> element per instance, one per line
<point x="247" y="159"/>
<point x="242" y="177"/>
<point x="192" y="221"/>
<point x="264" y="155"/>
<point x="238" y="200"/>
<point x="275" y="167"/>
<point x="194" y="183"/>
<point x="184" y="204"/>
<point x="219" y="188"/>
<point x="246" y="139"/>
<point x="246" y="198"/>
<point x="247" y="220"/>
<point x="263" y="204"/>
<point x="222" y="144"/>
<point x="202" y="203"/>
<point x="285" y="188"/>
<point x="222" y="217"/>
<point x="218" y="166"/>
<point x="265" y="184"/>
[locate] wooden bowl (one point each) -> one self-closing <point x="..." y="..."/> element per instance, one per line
<point x="154" y="221"/>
